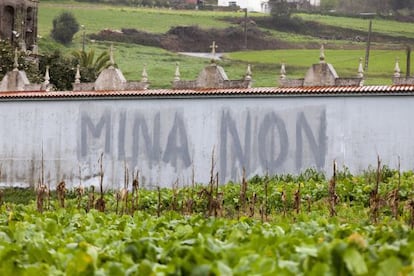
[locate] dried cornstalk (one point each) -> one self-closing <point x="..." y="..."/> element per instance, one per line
<point x="159" y="202"/>
<point x="124" y="191"/>
<point x="332" y="195"/>
<point x="91" y="198"/>
<point x="100" y="203"/>
<point x="374" y="196"/>
<point x="117" y="199"/>
<point x="297" y="200"/>
<point x="243" y="193"/>
<point x="61" y="193"/>
<point x="41" y="194"/>
<point x="123" y="198"/>
<point x="253" y="205"/>
<point x="44" y="189"/>
<point x="210" y="195"/>
<point x="80" y="190"/>
<point x="309" y="201"/>
<point x="218" y="200"/>
<point x="395" y="194"/>
<point x="135" y="192"/>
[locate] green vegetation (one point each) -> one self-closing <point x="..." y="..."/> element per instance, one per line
<point x="346" y="62"/>
<point x="131" y="58"/>
<point x="96" y="17"/>
<point x="382" y="26"/>
<point x="279" y="225"/>
<point x="64" y="28"/>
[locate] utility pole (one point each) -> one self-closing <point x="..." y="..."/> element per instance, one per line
<point x="408" y="73"/>
<point x="83" y="38"/>
<point x="245" y="28"/>
<point x="368" y="46"/>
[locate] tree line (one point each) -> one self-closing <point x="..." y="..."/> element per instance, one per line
<point x="383" y="7"/>
<point x="380" y="7"/>
<point x="177" y="4"/>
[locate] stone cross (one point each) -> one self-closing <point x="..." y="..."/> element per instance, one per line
<point x="282" y="71"/>
<point x="322" y="54"/>
<point x="213" y="51"/>
<point x="397" y="71"/>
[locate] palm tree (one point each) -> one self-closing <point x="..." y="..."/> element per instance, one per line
<point x="91" y="67"/>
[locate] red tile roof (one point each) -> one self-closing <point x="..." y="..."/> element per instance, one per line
<point x="257" y="91"/>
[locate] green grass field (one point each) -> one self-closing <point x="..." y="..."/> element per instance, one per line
<point x="388" y="27"/>
<point x="380" y="68"/>
<point x="97" y="17"/>
<point x="265" y="64"/>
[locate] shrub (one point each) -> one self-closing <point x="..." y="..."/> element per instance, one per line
<point x="64" y="27"/>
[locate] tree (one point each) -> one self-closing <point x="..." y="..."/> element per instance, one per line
<point x="280" y="9"/>
<point x="61" y="69"/>
<point x="91" y="67"/>
<point x="7" y="56"/>
<point x="327" y="5"/>
<point x="64" y="27"/>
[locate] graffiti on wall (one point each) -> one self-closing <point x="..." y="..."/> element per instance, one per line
<point x="272" y="142"/>
<point x="136" y="138"/>
<point x="267" y="141"/>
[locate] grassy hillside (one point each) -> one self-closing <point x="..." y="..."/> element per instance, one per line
<point x="265" y="64"/>
<point x="382" y="26"/>
<point x="380" y="69"/>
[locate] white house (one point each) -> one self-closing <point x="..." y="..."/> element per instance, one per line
<point x="258" y="5"/>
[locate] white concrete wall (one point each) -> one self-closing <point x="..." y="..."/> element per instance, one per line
<point x="250" y="5"/>
<point x="258" y="5"/>
<point x="165" y="138"/>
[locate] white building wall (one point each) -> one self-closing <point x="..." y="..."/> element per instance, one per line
<point x="258" y="5"/>
<point x="165" y="138"/>
<point x="251" y="5"/>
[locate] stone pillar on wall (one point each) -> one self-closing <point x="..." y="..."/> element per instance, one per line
<point x="16" y="80"/>
<point x="321" y="74"/>
<point x="111" y="79"/>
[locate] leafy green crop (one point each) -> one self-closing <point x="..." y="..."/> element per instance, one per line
<point x="159" y="238"/>
<point x="72" y="242"/>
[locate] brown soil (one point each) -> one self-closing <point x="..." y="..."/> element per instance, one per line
<point x="195" y="39"/>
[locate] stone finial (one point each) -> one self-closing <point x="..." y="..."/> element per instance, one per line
<point x="322" y="54"/>
<point x="397" y="70"/>
<point x="47" y="77"/>
<point x="78" y="75"/>
<point x="144" y="75"/>
<point x="35" y="49"/>
<point x="282" y="72"/>
<point x="360" y="69"/>
<point x="177" y="72"/>
<point x="213" y="51"/>
<point x="111" y="56"/>
<point x="16" y="60"/>
<point x="248" y="76"/>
